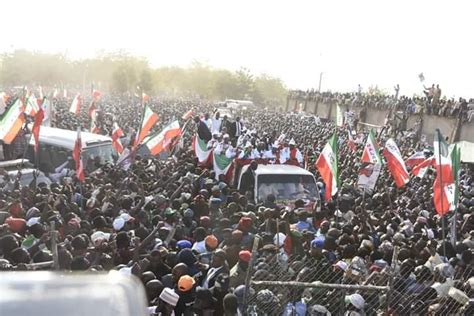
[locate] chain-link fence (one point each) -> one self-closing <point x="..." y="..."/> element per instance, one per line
<point x="434" y="288"/>
<point x="311" y="285"/>
<point x="300" y="286"/>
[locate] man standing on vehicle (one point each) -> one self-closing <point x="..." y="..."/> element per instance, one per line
<point x="247" y="182"/>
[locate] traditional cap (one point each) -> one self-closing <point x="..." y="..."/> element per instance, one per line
<point x="33" y="221"/>
<point x="169" y="296"/>
<point x="184" y="244"/>
<point x="99" y="237"/>
<point x="169" y="212"/>
<point x="245" y="255"/>
<point x="75" y="222"/>
<point x="341" y="265"/>
<point x="211" y="241"/>
<point x="318" y="310"/>
<point x="118" y="223"/>
<point x="17" y="225"/>
<point x="356" y="300"/>
<point x="32" y="212"/>
<point x="188" y="213"/>
<point x="185" y="283"/>
<point x="317" y="242"/>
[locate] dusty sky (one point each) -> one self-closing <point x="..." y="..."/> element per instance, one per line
<point x="351" y="42"/>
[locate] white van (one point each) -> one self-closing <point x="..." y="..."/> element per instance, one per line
<point x="44" y="293"/>
<point x="288" y="183"/>
<point x="56" y="146"/>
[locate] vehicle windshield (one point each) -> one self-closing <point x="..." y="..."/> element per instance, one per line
<point x="98" y="155"/>
<point x="286" y="187"/>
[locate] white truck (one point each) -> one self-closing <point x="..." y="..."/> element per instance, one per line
<point x="286" y="182"/>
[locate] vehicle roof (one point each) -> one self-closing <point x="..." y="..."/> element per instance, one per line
<point x="15" y="163"/>
<point x="66" y="138"/>
<point x="281" y="169"/>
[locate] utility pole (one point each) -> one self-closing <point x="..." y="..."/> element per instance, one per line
<point x="320" y="80"/>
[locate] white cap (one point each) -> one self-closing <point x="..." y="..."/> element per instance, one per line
<point x="169" y="296"/>
<point x="357" y="300"/>
<point x="118" y="223"/>
<point x="341" y="264"/>
<point x="98" y="237"/>
<point x="292" y="142"/>
<point x="33" y="221"/>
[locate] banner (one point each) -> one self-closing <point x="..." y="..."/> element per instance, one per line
<point x="368" y="176"/>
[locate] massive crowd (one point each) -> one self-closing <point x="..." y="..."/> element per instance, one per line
<point x="188" y="236"/>
<point x="432" y="103"/>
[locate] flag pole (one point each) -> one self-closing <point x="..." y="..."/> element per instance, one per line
<point x="441" y="191"/>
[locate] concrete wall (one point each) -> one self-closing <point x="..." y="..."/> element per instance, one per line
<point x="467" y="132"/>
<point x="377" y="117"/>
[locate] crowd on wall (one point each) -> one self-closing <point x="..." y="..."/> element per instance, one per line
<point x="431" y="102"/>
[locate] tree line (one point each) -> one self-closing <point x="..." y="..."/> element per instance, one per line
<point x="121" y="72"/>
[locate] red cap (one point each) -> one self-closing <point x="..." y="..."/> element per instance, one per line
<point x="245" y="255"/>
<point x="205" y="221"/>
<point x="17" y="225"/>
<point x="245" y="223"/>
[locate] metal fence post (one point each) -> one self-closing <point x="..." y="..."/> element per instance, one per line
<point x="391" y="277"/>
<point x="250" y="269"/>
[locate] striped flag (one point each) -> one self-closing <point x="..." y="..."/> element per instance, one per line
<point x="77" y="156"/>
<point x="327" y="167"/>
<point x="76" y="105"/>
<point x="415" y="159"/>
<point x="11" y="122"/>
<point x="371" y="150"/>
<point x="161" y="142"/>
<point x="395" y="163"/>
<point x="47" y="107"/>
<point x="31" y="105"/>
<point x="443" y="186"/>
<point x="149" y="119"/>
<point x="116" y="134"/>
<point x="223" y="165"/>
<point x="456" y="161"/>
<point x="200" y="150"/>
<point x="420" y="169"/>
<point x="36" y="127"/>
<point x="3" y="102"/>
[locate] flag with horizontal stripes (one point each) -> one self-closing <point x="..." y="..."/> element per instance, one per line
<point x="11" y="122"/>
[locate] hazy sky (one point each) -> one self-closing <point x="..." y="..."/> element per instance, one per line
<point x="352" y="42"/>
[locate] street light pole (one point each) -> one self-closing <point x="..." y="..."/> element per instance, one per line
<point x="320" y="80"/>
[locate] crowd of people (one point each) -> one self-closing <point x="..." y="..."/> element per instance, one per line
<point x="432" y="103"/>
<point x="188" y="236"/>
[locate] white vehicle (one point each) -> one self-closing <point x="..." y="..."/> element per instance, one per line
<point x="49" y="293"/>
<point x="56" y="146"/>
<point x="225" y="112"/>
<point x="236" y="104"/>
<point x="288" y="183"/>
<point x="26" y="174"/>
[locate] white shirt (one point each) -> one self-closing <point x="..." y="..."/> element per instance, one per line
<point x="199" y="246"/>
<point x="216" y="125"/>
